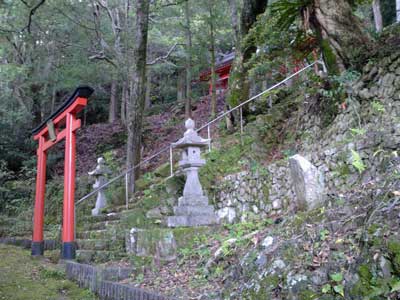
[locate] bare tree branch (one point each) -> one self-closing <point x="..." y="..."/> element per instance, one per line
<point x="153" y="62"/>
<point x="101" y="56"/>
<point x="61" y="12"/>
<point x="31" y="13"/>
<point x="26" y="4"/>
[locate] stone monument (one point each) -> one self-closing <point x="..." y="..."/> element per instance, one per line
<point x="193" y="208"/>
<point x="99" y="174"/>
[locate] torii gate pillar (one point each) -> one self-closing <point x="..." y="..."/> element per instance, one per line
<point x="49" y="133"/>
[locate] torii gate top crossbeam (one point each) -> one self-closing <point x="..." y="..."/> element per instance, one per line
<point x="73" y="104"/>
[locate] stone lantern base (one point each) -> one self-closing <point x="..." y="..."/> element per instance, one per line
<point x="192" y="212"/>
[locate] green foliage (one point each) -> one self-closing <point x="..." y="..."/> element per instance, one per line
<point x="339" y="85"/>
<point x="324" y="234"/>
<point x="288" y="11"/>
<point x="357" y="162"/>
<point x="52" y="273"/>
<point x="377" y="106"/>
<point x="357" y="131"/>
<point x="327" y="288"/>
<point x="223" y="161"/>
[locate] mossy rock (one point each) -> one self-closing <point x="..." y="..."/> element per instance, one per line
<point x="116" y="196"/>
<point x="174" y="186"/>
<point x="163" y="171"/>
<point x="394" y="251"/>
<point x="142" y="184"/>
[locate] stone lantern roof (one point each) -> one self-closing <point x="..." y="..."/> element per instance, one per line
<point x="190" y="137"/>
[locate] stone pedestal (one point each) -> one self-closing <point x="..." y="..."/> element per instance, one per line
<point x="193" y="208"/>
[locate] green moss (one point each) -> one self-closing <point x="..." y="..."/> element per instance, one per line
<point x="373" y="228"/>
<point x="187" y="237"/>
<point x="365" y="274"/>
<point x="342" y="170"/>
<point x="394" y="250"/>
<point x="307" y="295"/>
<point x="329" y="57"/>
<point x="266" y="290"/>
<point x="163" y="171"/>
<point x="23" y="278"/>
<point x="116" y="195"/>
<point x="223" y="161"/>
<point x="142" y="184"/>
<point x="313" y="216"/>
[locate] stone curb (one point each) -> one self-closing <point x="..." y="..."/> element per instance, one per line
<point x="26" y="243"/>
<point x="97" y="280"/>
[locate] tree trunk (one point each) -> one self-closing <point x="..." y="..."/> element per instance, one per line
<point x="147" y="102"/>
<point x="53" y="99"/>
<point x="138" y="91"/>
<point x="180" y="91"/>
<point x="239" y="81"/>
<point x="213" y="74"/>
<point x="338" y="31"/>
<point x="188" y="66"/>
<point x="234" y="21"/>
<point x="112" y="113"/>
<point x="124" y="98"/>
<point x="376" y="8"/>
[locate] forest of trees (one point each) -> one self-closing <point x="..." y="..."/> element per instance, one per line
<point x="139" y="53"/>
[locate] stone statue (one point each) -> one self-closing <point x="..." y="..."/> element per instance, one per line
<point x="100" y="175"/>
<point x="193" y="208"/>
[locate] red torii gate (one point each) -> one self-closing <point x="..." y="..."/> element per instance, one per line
<point x="63" y="123"/>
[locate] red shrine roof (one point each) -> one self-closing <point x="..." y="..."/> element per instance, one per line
<point x="223" y="67"/>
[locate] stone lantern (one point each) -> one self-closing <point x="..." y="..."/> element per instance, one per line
<point x="100" y="175"/>
<point x="193" y="208"/>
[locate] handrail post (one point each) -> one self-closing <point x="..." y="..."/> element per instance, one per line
<point x="171" y="162"/>
<point x="241" y="124"/>
<point x="126" y="191"/>
<point x="209" y="137"/>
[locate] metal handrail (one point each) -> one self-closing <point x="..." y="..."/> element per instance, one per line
<point x="199" y="129"/>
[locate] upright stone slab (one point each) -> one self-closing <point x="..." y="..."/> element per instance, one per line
<point x="99" y="173"/>
<point x="193" y="208"/>
<point x="307" y="183"/>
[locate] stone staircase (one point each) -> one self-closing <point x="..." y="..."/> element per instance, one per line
<point x="100" y="239"/>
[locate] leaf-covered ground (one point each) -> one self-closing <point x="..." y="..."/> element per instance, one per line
<point x="23" y="277"/>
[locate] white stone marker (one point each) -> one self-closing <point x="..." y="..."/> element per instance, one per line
<point x="307" y="182"/>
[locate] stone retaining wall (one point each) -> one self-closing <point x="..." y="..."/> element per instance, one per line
<point x="260" y="193"/>
<point x="26" y="243"/>
<point x="98" y="281"/>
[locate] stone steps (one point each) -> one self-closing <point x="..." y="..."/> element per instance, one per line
<point x="98" y="256"/>
<point x="100" y="241"/>
<point x="192" y="220"/>
<point x="121" y="208"/>
<point x="100" y="244"/>
<point x="92" y="234"/>
<point x="100" y="225"/>
<point x="193" y="210"/>
<point x="101" y="218"/>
